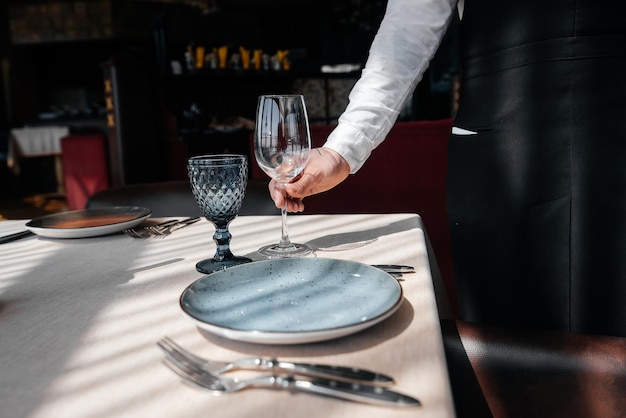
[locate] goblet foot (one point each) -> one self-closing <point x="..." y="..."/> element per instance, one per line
<point x="211" y="265"/>
<point x="281" y="251"/>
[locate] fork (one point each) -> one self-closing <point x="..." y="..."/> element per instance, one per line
<point x="348" y="374"/>
<point x="145" y="232"/>
<point x="161" y="231"/>
<point x="355" y="392"/>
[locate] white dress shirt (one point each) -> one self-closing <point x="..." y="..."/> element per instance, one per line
<point x="406" y="41"/>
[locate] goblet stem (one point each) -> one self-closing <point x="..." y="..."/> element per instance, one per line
<point x="285" y="248"/>
<point x="223" y="257"/>
<point x="285" y="242"/>
<point x="222" y="238"/>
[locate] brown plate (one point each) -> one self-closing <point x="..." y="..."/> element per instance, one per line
<point x="88" y="222"/>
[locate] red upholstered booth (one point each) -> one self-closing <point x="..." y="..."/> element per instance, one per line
<point x="406" y="173"/>
<point x="85" y="169"/>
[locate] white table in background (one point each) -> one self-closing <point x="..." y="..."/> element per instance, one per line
<point x="37" y="142"/>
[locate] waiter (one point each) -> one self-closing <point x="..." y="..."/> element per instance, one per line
<point x="536" y="187"/>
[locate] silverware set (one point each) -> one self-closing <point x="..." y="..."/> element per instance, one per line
<point x="160" y="230"/>
<point x="347" y="383"/>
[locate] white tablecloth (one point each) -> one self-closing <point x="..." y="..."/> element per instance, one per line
<point x="79" y="319"/>
<point x="34" y="142"/>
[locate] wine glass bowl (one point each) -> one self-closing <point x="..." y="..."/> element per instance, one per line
<point x="218" y="183"/>
<point x="282" y="142"/>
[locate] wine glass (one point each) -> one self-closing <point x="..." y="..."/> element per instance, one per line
<point x="282" y="143"/>
<point x="218" y="183"/>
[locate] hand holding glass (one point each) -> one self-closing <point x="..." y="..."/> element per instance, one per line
<point x="282" y="142"/>
<point x="218" y="183"/>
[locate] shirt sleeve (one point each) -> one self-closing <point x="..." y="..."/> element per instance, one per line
<point x="407" y="39"/>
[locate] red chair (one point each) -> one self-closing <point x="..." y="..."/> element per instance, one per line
<point x="85" y="170"/>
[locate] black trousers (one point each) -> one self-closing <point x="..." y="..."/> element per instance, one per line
<point x="537" y="196"/>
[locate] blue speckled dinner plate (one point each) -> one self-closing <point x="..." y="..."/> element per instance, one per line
<point x="291" y="300"/>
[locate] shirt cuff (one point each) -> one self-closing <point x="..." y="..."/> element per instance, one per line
<point x="351" y="144"/>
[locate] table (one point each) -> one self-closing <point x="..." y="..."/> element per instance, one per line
<point x="37" y="142"/>
<point x="79" y="319"/>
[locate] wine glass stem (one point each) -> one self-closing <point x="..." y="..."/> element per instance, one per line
<point x="284" y="238"/>
<point x="222" y="240"/>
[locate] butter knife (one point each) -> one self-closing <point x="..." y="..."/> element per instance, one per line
<point x="349" y="374"/>
<point x="374" y="395"/>
<point x="16" y="236"/>
<point x="395" y="268"/>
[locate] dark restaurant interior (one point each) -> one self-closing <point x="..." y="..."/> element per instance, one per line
<point x="141" y="85"/>
<point x="57" y="56"/>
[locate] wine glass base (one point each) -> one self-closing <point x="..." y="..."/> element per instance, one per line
<point x="278" y="251"/>
<point x="211" y="265"/>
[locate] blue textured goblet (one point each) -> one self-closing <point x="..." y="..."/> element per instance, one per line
<point x="218" y="183"/>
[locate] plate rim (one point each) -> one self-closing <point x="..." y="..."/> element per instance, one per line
<point x="293" y="337"/>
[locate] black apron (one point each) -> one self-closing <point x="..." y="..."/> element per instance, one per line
<point x="537" y="197"/>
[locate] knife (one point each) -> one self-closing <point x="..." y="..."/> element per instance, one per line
<point x="395" y="268"/>
<point x="348" y="374"/>
<point x="374" y="395"/>
<point x="16" y="236"/>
